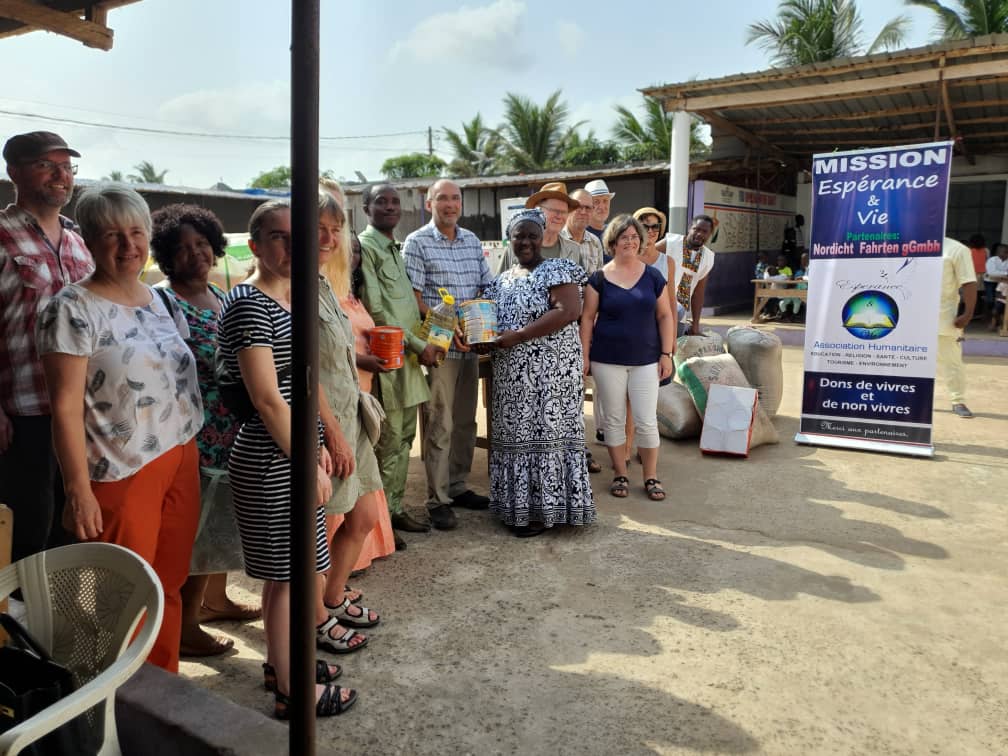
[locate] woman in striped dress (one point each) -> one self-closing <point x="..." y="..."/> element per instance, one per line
<point x="255" y="339"/>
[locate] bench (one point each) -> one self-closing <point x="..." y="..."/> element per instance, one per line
<point x="765" y="290"/>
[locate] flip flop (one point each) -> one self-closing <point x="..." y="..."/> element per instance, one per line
<point x="239" y="613"/>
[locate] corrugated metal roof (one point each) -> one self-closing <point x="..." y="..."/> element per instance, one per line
<point x="874" y="100"/>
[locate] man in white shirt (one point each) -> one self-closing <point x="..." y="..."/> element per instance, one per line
<point x="601" y="205"/>
<point x="693" y="262"/>
<point x="575" y="230"/>
<point x="996" y="273"/>
<point x="958" y="276"/>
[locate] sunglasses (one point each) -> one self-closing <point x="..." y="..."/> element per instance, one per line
<point x="652" y="226"/>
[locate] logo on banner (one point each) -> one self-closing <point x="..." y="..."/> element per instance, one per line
<point x="870" y="315"/>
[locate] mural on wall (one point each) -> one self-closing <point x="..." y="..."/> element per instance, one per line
<point x="745" y="220"/>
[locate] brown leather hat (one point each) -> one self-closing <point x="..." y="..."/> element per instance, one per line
<point x="33" y="145"/>
<point x="553" y="190"/>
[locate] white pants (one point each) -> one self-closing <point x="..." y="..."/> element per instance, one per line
<point x="951" y="365"/>
<point x="597" y="412"/>
<point x="640" y="382"/>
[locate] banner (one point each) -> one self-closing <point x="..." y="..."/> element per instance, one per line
<point x="871" y="333"/>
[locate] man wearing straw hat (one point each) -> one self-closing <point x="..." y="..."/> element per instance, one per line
<point x="557" y="205"/>
<point x="442" y="254"/>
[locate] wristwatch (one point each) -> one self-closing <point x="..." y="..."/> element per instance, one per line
<point x="668" y="354"/>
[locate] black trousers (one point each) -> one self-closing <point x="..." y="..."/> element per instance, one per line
<point x="31" y="485"/>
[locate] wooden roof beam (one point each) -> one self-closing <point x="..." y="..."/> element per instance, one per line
<point x="950" y="120"/>
<point x="36" y="16"/>
<point x="868" y="87"/>
<point x="749" y="138"/>
<point x="864" y="116"/>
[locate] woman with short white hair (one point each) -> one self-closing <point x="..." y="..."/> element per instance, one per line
<point x="126" y="404"/>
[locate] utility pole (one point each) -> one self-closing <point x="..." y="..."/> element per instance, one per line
<point x="430" y="140"/>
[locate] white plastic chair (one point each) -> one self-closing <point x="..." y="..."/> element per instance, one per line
<point x="83" y="604"/>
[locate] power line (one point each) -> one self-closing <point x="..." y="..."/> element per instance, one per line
<point x="199" y="134"/>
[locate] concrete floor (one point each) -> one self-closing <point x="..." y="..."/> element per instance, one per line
<point x="803" y="601"/>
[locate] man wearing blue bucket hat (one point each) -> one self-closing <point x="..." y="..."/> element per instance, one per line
<point x="442" y="254"/>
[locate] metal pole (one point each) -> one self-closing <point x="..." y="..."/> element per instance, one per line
<point x="304" y="399"/>
<point x="678" y="223"/>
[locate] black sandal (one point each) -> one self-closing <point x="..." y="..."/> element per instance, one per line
<point x="323" y="674"/>
<point x="620" y="486"/>
<point x="654" y="489"/>
<point x="330" y="702"/>
<point x="529" y="531"/>
<point x="593" y="466"/>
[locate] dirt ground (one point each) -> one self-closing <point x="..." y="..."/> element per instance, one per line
<point x="802" y="601"/>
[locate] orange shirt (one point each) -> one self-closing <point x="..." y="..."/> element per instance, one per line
<point x="979" y="259"/>
<point x="361" y="322"/>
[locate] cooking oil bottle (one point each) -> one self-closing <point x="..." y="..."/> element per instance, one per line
<point x="438" y="326"/>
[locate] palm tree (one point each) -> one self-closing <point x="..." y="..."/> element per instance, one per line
<point x="113" y="176"/>
<point x="476" y="149"/>
<point x="813" y="31"/>
<point x="974" y="18"/>
<point x="534" y="138"/>
<point x="146" y="173"/>
<point x="651" y="139"/>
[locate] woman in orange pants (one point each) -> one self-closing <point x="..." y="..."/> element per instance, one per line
<point x="125" y="403"/>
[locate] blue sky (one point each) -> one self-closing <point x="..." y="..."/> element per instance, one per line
<point x="222" y="66"/>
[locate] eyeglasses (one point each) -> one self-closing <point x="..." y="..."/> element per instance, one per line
<point x="557" y="213"/>
<point x="585" y="209"/>
<point x="652" y="226"/>
<point x="629" y="238"/>
<point x="49" y="165"/>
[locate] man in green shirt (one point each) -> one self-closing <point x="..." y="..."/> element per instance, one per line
<point x="388" y="296"/>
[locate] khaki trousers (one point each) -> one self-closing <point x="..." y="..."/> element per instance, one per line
<point x="393" y="453"/>
<point x="450" y="428"/>
<point x="950" y="364"/>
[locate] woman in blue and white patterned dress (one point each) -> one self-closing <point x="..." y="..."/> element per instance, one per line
<point x="538" y="467"/>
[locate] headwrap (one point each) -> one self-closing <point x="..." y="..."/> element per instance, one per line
<point x="533" y="214"/>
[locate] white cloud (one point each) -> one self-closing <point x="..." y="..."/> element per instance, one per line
<point x="259" y="107"/>
<point x="484" y="36"/>
<point x="571" y="35"/>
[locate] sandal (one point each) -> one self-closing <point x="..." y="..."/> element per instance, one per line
<point x="529" y="531"/>
<point x="324" y="673"/>
<point x="340" y="645"/>
<point x="593" y="466"/>
<point x="620" y="486"/>
<point x="354" y="600"/>
<point x="654" y="489"/>
<point x="343" y="616"/>
<point x="213" y="646"/>
<point x="330" y="702"/>
<point x="234" y="613"/>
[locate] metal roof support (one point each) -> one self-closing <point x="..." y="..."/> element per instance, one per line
<point x="304" y="370"/>
<point x="679" y="173"/>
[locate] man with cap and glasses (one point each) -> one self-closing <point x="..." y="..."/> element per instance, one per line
<point x="576" y="230"/>
<point x="40" y="253"/>
<point x="601" y="201"/>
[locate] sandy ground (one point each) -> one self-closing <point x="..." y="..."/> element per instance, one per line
<point x="803" y="601"/>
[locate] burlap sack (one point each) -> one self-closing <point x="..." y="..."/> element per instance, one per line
<point x="758" y="353"/>
<point x="698" y="373"/>
<point x="708" y="343"/>
<point x="677" y="415"/>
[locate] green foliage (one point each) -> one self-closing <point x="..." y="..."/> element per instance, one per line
<point x="589" y="152"/>
<point x="974" y="18"/>
<point x="812" y="31"/>
<point x="476" y="150"/>
<point x="114" y="176"/>
<point x="277" y="178"/>
<point x="414" y="165"/>
<point x="650" y="138"/>
<point x="534" y="137"/>
<point x="146" y="173"/>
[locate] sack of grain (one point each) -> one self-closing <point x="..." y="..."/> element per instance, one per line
<point x="677" y="415"/>
<point x="698" y="373"/>
<point x="758" y="353"/>
<point x="707" y="343"/>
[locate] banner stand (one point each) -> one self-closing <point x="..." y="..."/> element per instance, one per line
<point x="875" y="271"/>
